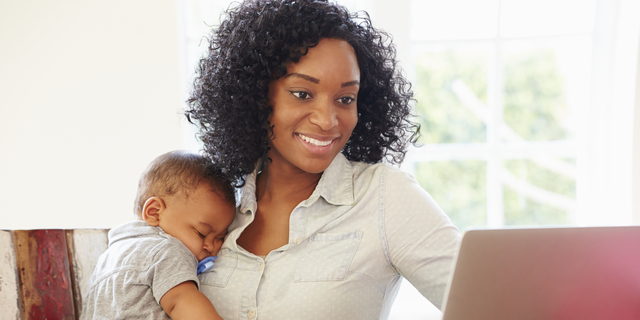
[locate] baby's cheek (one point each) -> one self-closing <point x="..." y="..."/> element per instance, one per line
<point x="217" y="246"/>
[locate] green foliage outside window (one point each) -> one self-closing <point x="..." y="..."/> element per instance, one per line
<point x="520" y="210"/>
<point x="534" y="95"/>
<point x="444" y="119"/>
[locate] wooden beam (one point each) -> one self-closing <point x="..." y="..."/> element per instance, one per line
<point x="85" y="247"/>
<point x="43" y="271"/>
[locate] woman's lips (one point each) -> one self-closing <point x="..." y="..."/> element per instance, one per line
<point x="315" y="142"/>
<point x="317" y="146"/>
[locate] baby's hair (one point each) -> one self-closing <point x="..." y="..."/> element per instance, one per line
<point x="180" y="171"/>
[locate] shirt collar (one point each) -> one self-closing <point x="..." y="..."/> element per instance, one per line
<point x="248" y="198"/>
<point x="136" y="228"/>
<point x="335" y="186"/>
<point x="336" y="183"/>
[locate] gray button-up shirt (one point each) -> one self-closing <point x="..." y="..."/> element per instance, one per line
<point x="364" y="228"/>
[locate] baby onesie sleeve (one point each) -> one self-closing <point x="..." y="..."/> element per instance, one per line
<point x="171" y="265"/>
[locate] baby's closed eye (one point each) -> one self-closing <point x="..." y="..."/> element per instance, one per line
<point x="200" y="233"/>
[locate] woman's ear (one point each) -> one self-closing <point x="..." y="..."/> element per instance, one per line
<point x="151" y="211"/>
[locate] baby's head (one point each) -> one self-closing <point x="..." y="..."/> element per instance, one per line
<point x="182" y="193"/>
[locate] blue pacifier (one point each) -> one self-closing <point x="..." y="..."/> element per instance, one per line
<point x="206" y="264"/>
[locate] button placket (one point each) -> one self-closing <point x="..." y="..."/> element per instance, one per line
<point x="248" y="298"/>
<point x="297" y="224"/>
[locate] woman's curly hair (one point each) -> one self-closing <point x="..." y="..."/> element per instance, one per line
<point x="253" y="46"/>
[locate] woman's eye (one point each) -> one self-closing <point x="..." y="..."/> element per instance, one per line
<point x="346" y="100"/>
<point x="301" y="94"/>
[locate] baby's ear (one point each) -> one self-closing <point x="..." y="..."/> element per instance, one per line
<point x="151" y="211"/>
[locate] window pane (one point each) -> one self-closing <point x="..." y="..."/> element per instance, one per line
<point x="537" y="192"/>
<point x="445" y="19"/>
<point x="546" y="17"/>
<point x="459" y="187"/>
<point x="451" y="90"/>
<point x="545" y="86"/>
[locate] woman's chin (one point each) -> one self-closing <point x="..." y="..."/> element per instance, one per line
<point x="315" y="165"/>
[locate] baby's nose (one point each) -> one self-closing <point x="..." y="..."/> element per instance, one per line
<point x="209" y="245"/>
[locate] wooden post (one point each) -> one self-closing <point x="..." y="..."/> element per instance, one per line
<point x="43" y="270"/>
<point x="9" y="309"/>
<point x="85" y="247"/>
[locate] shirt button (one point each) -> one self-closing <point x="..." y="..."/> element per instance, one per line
<point x="251" y="314"/>
<point x="260" y="266"/>
<point x="297" y="240"/>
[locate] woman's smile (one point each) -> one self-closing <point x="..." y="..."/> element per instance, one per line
<point x="319" y="146"/>
<point x="314" y="142"/>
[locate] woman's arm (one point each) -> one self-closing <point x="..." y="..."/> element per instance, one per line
<point x="421" y="239"/>
<point x="184" y="301"/>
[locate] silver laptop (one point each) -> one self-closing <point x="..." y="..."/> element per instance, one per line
<point x="546" y="273"/>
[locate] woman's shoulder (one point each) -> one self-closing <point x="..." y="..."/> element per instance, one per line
<point x="380" y="170"/>
<point x="403" y="197"/>
<point x="382" y="177"/>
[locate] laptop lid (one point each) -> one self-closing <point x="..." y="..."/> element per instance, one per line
<point x="546" y="273"/>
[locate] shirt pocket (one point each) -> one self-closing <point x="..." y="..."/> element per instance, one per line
<point x="222" y="270"/>
<point x="327" y="257"/>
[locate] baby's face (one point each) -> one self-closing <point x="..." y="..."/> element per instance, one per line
<point x="199" y="221"/>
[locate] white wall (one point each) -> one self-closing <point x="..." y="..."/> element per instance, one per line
<point x="89" y="94"/>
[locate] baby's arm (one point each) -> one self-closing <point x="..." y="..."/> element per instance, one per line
<point x="184" y="301"/>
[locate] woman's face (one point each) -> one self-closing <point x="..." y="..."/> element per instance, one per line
<point x="314" y="107"/>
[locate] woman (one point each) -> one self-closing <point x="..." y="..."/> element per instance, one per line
<point x="300" y="103"/>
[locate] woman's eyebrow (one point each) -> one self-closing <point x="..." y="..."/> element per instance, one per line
<point x="303" y="76"/>
<point x="351" y="83"/>
<point x="316" y="80"/>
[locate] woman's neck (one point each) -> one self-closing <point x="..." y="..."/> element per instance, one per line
<point x="282" y="185"/>
<point x="278" y="192"/>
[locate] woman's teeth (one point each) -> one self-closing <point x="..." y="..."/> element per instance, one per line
<point x="315" y="142"/>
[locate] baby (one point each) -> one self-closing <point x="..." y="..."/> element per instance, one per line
<point x="183" y="210"/>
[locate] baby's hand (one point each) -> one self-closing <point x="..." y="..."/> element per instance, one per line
<point x="206" y="264"/>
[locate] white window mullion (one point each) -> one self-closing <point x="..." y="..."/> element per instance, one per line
<point x="495" y="208"/>
<point x="495" y="204"/>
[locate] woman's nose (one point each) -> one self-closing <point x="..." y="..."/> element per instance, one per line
<point x="324" y="115"/>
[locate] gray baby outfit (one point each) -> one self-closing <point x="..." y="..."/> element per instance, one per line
<point x="141" y="264"/>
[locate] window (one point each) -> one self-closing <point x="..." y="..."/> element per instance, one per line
<point x="509" y="94"/>
<point x="499" y="89"/>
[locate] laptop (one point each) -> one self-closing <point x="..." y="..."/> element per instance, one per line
<point x="546" y="273"/>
